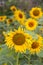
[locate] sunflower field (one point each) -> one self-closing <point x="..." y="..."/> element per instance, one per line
<point x="21" y="32"/>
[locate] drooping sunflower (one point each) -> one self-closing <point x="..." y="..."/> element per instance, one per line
<point x="2" y="18"/>
<point x="35" y="46"/>
<point x="17" y="40"/>
<point x="13" y="8"/>
<point x="19" y="16"/>
<point x="31" y="24"/>
<point x="35" y="12"/>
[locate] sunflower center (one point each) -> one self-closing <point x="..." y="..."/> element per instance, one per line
<point x="10" y="20"/>
<point x="19" y="39"/>
<point x="31" y="24"/>
<point x="1" y="18"/>
<point x="20" y="15"/>
<point x="14" y="9"/>
<point x="35" y="45"/>
<point x="36" y="12"/>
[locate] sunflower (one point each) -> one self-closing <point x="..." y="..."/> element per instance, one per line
<point x="13" y="8"/>
<point x="19" y="16"/>
<point x="17" y="40"/>
<point x="36" y="12"/>
<point x="2" y="18"/>
<point x="9" y="21"/>
<point x="31" y="24"/>
<point x="35" y="46"/>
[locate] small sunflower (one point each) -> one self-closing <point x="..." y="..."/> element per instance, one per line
<point x="17" y="40"/>
<point x="19" y="16"/>
<point x="2" y="18"/>
<point x="13" y="8"/>
<point x="36" y="12"/>
<point x="9" y="21"/>
<point x="31" y="24"/>
<point x="35" y="46"/>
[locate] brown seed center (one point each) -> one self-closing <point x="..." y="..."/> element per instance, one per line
<point x="31" y="24"/>
<point x="10" y="20"/>
<point x="36" y="12"/>
<point x="35" y="45"/>
<point x="14" y="9"/>
<point x="19" y="39"/>
<point x="20" y="15"/>
<point x="1" y="18"/>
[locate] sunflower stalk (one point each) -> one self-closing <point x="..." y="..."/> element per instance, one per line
<point x="17" y="62"/>
<point x="27" y="58"/>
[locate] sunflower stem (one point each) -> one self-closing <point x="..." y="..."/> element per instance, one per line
<point x="27" y="59"/>
<point x="17" y="62"/>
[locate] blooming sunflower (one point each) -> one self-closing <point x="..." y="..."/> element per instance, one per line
<point x="35" y="46"/>
<point x="9" y="21"/>
<point x="31" y="24"/>
<point x="17" y="40"/>
<point x="19" y="16"/>
<point x="13" y="8"/>
<point x="36" y="12"/>
<point x="2" y="18"/>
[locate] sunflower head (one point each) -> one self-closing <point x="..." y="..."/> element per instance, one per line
<point x="13" y="8"/>
<point x="19" y="16"/>
<point x="31" y="24"/>
<point x="9" y="21"/>
<point x="36" y="12"/>
<point x="2" y="18"/>
<point x="35" y="47"/>
<point x="17" y="40"/>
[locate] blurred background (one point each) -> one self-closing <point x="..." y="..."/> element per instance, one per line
<point x="22" y="4"/>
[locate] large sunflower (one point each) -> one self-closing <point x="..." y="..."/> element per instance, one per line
<point x="19" y="16"/>
<point x="35" y="46"/>
<point x="17" y="40"/>
<point x="36" y="12"/>
<point x="2" y="18"/>
<point x="31" y="24"/>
